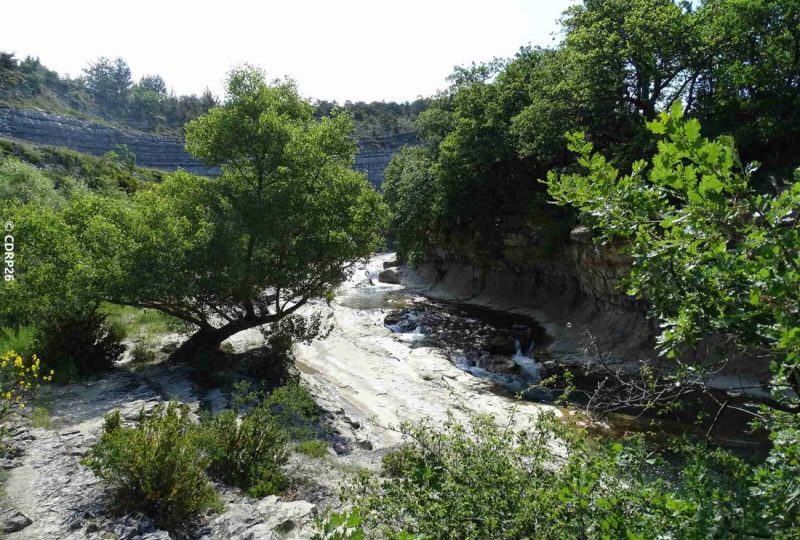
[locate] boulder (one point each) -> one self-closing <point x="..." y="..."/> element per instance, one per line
<point x="390" y="275"/>
<point x="500" y="344"/>
<point x="499" y="364"/>
<point x="393" y="318"/>
<point x="391" y="263"/>
<point x="581" y="234"/>
<point x="13" y="520"/>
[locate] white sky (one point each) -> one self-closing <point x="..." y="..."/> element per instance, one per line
<point x="336" y="49"/>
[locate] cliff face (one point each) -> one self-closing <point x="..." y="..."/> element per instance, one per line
<point x="375" y="154"/>
<point x="573" y="292"/>
<point x="166" y="153"/>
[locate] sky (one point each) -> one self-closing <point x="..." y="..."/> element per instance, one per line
<point x="359" y="50"/>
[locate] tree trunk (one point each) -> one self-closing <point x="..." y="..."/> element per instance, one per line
<point x="206" y="340"/>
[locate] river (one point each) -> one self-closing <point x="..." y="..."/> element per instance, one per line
<point x="395" y="355"/>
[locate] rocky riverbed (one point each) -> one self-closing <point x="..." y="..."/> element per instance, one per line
<point x="48" y="494"/>
<point x="366" y="377"/>
<point x="393" y="355"/>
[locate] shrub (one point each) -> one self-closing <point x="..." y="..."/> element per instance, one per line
<point x="25" y="183"/>
<point x="19" y="381"/>
<point x="155" y="466"/>
<point x="83" y="344"/>
<point x="315" y="448"/>
<point x="248" y="454"/>
<point x="481" y="480"/>
<point x="296" y="411"/>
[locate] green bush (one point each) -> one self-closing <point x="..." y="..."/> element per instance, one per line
<point x="315" y="448"/>
<point x="155" y="467"/>
<point x="25" y="183"/>
<point x="295" y="411"/>
<point x="247" y="454"/>
<point x="482" y="480"/>
<point x="79" y="345"/>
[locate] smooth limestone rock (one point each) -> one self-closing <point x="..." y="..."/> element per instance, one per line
<point x="390" y="275"/>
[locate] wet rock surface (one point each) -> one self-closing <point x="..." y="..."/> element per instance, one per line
<point x="506" y="349"/>
<point x="390" y="275"/>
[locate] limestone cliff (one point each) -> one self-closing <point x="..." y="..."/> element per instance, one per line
<point x="159" y="152"/>
<point x="154" y="151"/>
<point x="573" y="291"/>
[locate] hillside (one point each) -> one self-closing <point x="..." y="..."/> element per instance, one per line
<point x="105" y="94"/>
<point x="163" y="152"/>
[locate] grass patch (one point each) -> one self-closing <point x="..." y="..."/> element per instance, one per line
<point x="19" y="341"/>
<point x="40" y="418"/>
<point x="314" y="448"/>
<point x="142" y="354"/>
<point x="147" y="324"/>
<point x="4" y="474"/>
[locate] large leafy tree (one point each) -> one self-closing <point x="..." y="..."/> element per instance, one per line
<point x="710" y="255"/>
<point x="751" y="86"/>
<point x="717" y="261"/>
<point x="280" y="226"/>
<point x="410" y="191"/>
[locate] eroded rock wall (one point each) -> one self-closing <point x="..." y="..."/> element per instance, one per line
<point x="375" y="154"/>
<point x="158" y="152"/>
<point x="166" y="153"/>
<point x="573" y="293"/>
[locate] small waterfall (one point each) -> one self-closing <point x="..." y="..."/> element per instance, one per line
<point x="526" y="361"/>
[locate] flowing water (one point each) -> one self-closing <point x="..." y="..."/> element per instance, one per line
<point x="501" y="355"/>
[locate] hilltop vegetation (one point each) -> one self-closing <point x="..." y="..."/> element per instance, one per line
<point x="377" y="118"/>
<point x="105" y="92"/>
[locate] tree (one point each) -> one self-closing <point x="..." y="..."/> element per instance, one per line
<point x="410" y="191"/>
<point x="8" y="71"/>
<point x="155" y="84"/>
<point x="751" y="89"/>
<point x="208" y="100"/>
<point x="109" y="81"/>
<point x="710" y="255"/>
<point x="281" y="225"/>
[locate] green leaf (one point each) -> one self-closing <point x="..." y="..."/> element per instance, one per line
<point x="711" y="184"/>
